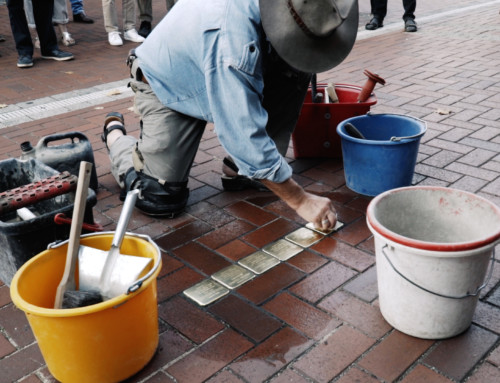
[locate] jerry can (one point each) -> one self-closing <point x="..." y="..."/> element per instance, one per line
<point x="63" y="152"/>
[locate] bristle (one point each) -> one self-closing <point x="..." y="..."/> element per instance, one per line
<point x="74" y="299"/>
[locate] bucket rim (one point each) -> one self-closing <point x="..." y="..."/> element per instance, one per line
<point x="30" y="308"/>
<point x="372" y="100"/>
<point x="345" y="136"/>
<point x="376" y="226"/>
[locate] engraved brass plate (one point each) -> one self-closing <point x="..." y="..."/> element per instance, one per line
<point x="338" y="225"/>
<point x="282" y="249"/>
<point x="304" y="237"/>
<point x="233" y="276"/>
<point x="206" y="292"/>
<point x="259" y="262"/>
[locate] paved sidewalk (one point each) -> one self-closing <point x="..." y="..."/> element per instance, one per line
<point x="315" y="317"/>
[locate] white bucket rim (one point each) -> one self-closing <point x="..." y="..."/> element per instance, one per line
<point x="432" y="253"/>
<point x="457" y="247"/>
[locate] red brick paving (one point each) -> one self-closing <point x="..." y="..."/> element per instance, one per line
<point x="315" y="317"/>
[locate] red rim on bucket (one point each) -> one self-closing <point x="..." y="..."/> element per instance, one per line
<point x="460" y="206"/>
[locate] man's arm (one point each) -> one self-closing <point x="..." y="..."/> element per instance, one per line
<point x="313" y="208"/>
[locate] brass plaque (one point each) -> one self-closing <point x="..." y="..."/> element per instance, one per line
<point x="338" y="225"/>
<point x="233" y="276"/>
<point x="304" y="237"/>
<point x="282" y="249"/>
<point x="206" y="292"/>
<point x="259" y="262"/>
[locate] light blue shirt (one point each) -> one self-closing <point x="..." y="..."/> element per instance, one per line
<point x="204" y="59"/>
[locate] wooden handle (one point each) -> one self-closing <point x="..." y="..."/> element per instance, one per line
<point x="68" y="278"/>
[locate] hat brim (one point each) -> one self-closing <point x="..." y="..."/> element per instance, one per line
<point x="312" y="55"/>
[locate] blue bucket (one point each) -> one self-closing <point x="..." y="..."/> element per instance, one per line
<point x="385" y="159"/>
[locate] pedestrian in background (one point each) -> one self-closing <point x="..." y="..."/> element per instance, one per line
<point x="111" y="22"/>
<point x="146" y="15"/>
<point x="60" y="18"/>
<point x="43" y="11"/>
<point x="379" y="11"/>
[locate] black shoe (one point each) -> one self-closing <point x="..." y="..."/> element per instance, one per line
<point x="410" y="25"/>
<point x="24" y="61"/>
<point x="237" y="183"/>
<point x="82" y="18"/>
<point x="155" y="199"/>
<point x="58" y="55"/>
<point x="374" y="23"/>
<point x="145" y="29"/>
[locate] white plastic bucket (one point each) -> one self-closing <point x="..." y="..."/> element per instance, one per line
<point x="433" y="246"/>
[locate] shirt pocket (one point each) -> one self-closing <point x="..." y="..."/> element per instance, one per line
<point x="250" y="58"/>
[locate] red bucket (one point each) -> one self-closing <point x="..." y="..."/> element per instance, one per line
<point x="315" y="134"/>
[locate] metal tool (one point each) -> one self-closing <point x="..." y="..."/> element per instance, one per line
<point x="110" y="272"/>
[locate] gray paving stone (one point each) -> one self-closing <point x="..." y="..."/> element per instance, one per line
<point x="477" y="157"/>
<point x="443" y="144"/>
<point x="455" y="134"/>
<point x="472" y="171"/>
<point x="493" y="187"/>
<point x="441" y="159"/>
<point x="470" y="184"/>
<point x="440" y="174"/>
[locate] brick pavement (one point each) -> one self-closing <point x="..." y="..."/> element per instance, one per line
<point x="315" y="317"/>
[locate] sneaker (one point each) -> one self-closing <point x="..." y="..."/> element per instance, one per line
<point x="115" y="39"/>
<point x="132" y="35"/>
<point x="410" y="25"/>
<point x="24" y="61"/>
<point x="58" y="55"/>
<point x="145" y="29"/>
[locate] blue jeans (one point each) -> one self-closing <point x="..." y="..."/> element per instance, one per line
<point x="76" y="6"/>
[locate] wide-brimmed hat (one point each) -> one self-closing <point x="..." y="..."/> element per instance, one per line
<point x="311" y="35"/>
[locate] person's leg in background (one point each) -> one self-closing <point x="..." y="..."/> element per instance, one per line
<point x="111" y="22"/>
<point x="60" y="18"/>
<point x="21" y="33"/>
<point x="409" y="15"/>
<point x="378" y="11"/>
<point x="145" y="8"/>
<point x="79" y="15"/>
<point x="129" y="31"/>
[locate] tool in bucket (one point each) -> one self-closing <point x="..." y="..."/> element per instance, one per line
<point x="66" y="295"/>
<point x="112" y="273"/>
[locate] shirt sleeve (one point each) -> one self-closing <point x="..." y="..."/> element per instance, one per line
<point x="235" y="87"/>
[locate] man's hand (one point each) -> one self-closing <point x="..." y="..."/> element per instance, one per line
<point x="313" y="208"/>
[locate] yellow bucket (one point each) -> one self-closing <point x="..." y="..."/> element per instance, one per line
<point x="105" y="342"/>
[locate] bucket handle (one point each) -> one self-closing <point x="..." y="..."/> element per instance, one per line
<point x="137" y="284"/>
<point x="438" y="294"/>
<point x="397" y="139"/>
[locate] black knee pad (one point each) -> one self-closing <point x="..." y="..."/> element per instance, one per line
<point x="156" y="198"/>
